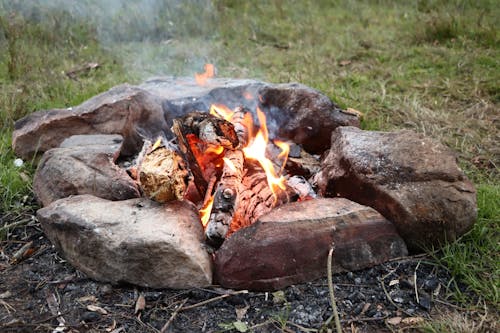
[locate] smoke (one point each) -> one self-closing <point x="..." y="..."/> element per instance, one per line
<point x="150" y="37"/>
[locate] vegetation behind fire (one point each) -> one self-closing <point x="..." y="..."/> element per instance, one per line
<point x="428" y="65"/>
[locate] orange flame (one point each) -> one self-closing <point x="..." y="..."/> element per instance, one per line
<point x="201" y="79"/>
<point x="256" y="150"/>
<point x="206" y="210"/>
<point x="221" y="111"/>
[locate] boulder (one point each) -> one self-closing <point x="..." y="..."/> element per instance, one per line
<point x="85" y="164"/>
<point x="412" y="180"/>
<point x="290" y="244"/>
<point x="135" y="241"/>
<point x="295" y="112"/>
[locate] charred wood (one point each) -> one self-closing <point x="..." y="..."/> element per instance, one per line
<point x="199" y="180"/>
<point x="225" y="198"/>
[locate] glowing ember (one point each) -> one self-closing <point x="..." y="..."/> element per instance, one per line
<point x="205" y="211"/>
<point x="201" y="79"/>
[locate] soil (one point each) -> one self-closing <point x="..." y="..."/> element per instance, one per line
<point x="41" y="292"/>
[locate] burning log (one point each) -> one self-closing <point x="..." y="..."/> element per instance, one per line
<point x="227" y="192"/>
<point x="256" y="199"/>
<point x="207" y="129"/>
<point x="163" y="175"/>
<point x="225" y="198"/>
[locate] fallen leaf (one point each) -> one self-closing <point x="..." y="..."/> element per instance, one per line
<point x="112" y="327"/>
<point x="98" y="309"/>
<point x="140" y="304"/>
<point x="279" y="297"/>
<point x="394" y="320"/>
<point x="241" y="312"/>
<point x="393" y="282"/>
<point x="412" y="320"/>
<point x="5" y="295"/>
<point x="345" y="62"/>
<point x="240" y="326"/>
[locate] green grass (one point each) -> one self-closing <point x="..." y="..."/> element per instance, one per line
<point x="428" y="65"/>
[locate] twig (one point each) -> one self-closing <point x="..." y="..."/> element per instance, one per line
<point x="174" y="314"/>
<point x="390" y="299"/>
<point x="415" y="283"/>
<point x="302" y="328"/>
<point x="330" y="288"/>
<point x="217" y="298"/>
<point x="359" y="320"/>
<point x="15" y="224"/>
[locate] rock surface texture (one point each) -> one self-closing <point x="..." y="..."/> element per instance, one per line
<point x="290" y="244"/>
<point x="135" y="241"/>
<point x="83" y="165"/>
<point x="295" y="112"/>
<point x="413" y="181"/>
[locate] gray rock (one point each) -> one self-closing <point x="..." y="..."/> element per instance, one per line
<point x="84" y="166"/>
<point x="135" y="241"/>
<point x="412" y="180"/>
<point x="294" y="111"/>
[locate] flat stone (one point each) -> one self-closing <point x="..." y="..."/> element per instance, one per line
<point x="86" y="165"/>
<point x="135" y="241"/>
<point x="295" y="112"/>
<point x="290" y="244"/>
<point x="413" y="181"/>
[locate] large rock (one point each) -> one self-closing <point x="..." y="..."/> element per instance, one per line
<point x="294" y="111"/>
<point x="290" y="244"/>
<point x="83" y="165"/>
<point x="135" y="241"/>
<point x="412" y="180"/>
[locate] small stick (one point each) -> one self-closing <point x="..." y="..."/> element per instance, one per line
<point x="217" y="298"/>
<point x="330" y="288"/>
<point x="415" y="283"/>
<point x="172" y="317"/>
<point x="21" y="252"/>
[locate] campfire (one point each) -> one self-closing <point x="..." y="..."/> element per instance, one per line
<point x="184" y="182"/>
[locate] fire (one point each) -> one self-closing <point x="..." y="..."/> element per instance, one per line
<point x="221" y="111"/>
<point x="205" y="211"/>
<point x="201" y="79"/>
<point x="256" y="150"/>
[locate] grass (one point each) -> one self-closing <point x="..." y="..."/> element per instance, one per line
<point x="428" y="65"/>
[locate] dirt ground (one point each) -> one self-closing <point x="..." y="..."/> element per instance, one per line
<point x="41" y="292"/>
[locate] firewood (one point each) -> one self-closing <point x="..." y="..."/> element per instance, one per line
<point x="225" y="197"/>
<point x="256" y="199"/>
<point x="227" y="190"/>
<point x="163" y="175"/>
<point x="199" y="181"/>
<point x="210" y="129"/>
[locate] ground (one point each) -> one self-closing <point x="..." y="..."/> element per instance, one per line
<point x="427" y="65"/>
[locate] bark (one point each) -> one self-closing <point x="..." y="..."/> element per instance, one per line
<point x="163" y="175"/>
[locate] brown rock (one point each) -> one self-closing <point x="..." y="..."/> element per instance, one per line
<point x="412" y="180"/>
<point x="84" y="166"/>
<point x="135" y="241"/>
<point x="146" y="111"/>
<point x="290" y="244"/>
<point x="126" y="110"/>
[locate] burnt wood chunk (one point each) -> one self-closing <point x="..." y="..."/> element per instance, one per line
<point x="225" y="198"/>
<point x="290" y="244"/>
<point x="412" y="180"/>
<point x="163" y="175"/>
<point x="210" y="129"/>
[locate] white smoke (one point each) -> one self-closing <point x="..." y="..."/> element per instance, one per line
<point x="150" y="37"/>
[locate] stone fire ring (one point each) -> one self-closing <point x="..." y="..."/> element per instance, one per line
<point x="382" y="191"/>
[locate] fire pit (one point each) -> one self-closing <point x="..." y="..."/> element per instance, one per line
<point x="177" y="183"/>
